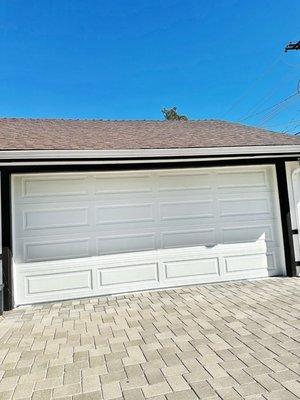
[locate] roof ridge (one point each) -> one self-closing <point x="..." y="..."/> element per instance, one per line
<point x="111" y="120"/>
<point x="156" y="121"/>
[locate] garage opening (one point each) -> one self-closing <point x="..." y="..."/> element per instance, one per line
<point x="83" y="234"/>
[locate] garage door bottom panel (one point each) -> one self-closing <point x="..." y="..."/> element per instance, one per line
<point x="122" y="273"/>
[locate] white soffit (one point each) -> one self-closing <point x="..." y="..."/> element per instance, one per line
<point x="143" y="153"/>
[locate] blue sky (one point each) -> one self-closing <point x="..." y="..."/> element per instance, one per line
<point x="128" y="59"/>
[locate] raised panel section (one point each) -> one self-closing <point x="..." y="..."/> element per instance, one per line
<point x="173" y="211"/>
<point x="124" y="213"/>
<point x="244" y="206"/>
<point x="188" y="268"/>
<point x="187" y="181"/>
<point x="130" y="183"/>
<point x="55" y="218"/>
<point x="125" y="243"/>
<point x="242" y="179"/>
<point x="56" y="249"/>
<point x="188" y="238"/>
<point x="59" y="282"/>
<point x="54" y="186"/>
<point x="128" y="274"/>
<point x="246" y="263"/>
<point x="247" y="233"/>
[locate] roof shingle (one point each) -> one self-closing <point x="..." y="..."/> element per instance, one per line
<point x="58" y="134"/>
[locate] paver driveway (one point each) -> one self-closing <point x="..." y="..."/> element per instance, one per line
<point x="218" y="341"/>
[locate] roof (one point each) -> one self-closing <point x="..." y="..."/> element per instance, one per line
<point x="59" y="134"/>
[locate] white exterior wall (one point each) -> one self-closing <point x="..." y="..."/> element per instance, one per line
<point x="291" y="166"/>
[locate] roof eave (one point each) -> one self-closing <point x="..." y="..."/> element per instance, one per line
<point x="146" y="153"/>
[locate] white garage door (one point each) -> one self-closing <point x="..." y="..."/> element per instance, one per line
<point x="84" y="234"/>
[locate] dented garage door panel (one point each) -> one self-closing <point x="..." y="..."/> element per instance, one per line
<point x="121" y="231"/>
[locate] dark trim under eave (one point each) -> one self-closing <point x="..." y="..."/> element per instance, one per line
<point x="6" y="240"/>
<point x="51" y="167"/>
<point x="6" y="202"/>
<point x="73" y="162"/>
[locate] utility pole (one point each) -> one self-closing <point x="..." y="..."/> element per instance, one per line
<point x="292" y="46"/>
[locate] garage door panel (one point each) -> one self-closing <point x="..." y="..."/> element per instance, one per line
<point x="267" y="263"/>
<point x="248" y="206"/>
<point x="39" y="249"/>
<point x="143" y="230"/>
<point x="124" y="214"/>
<point x="128" y="242"/>
<point x="184" y="181"/>
<point x="191" y="237"/>
<point x="109" y="183"/>
<point x="59" y="282"/>
<point x="188" y="268"/>
<point x="245" y="262"/>
<point x="48" y="219"/>
<point x="185" y="210"/>
<point x="49" y="187"/>
<point x="230" y="179"/>
<point x="249" y="232"/>
<point x="127" y="274"/>
<point x="245" y="207"/>
<point x="54" y="187"/>
<point x="53" y="217"/>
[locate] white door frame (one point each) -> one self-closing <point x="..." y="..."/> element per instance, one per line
<point x="296" y="199"/>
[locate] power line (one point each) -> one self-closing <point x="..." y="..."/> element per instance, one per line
<point x="286" y="130"/>
<point x="252" y="84"/>
<point x="274" y="110"/>
<point x="271" y="108"/>
<point x="285" y="123"/>
<point x="281" y="105"/>
<point x="289" y="64"/>
<point x="265" y="98"/>
<point x="278" y="107"/>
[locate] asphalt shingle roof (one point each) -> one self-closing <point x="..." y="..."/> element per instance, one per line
<point x="59" y="134"/>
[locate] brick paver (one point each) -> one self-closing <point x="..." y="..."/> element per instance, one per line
<point x="237" y="340"/>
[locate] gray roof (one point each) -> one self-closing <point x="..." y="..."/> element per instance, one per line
<point x="59" y="134"/>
